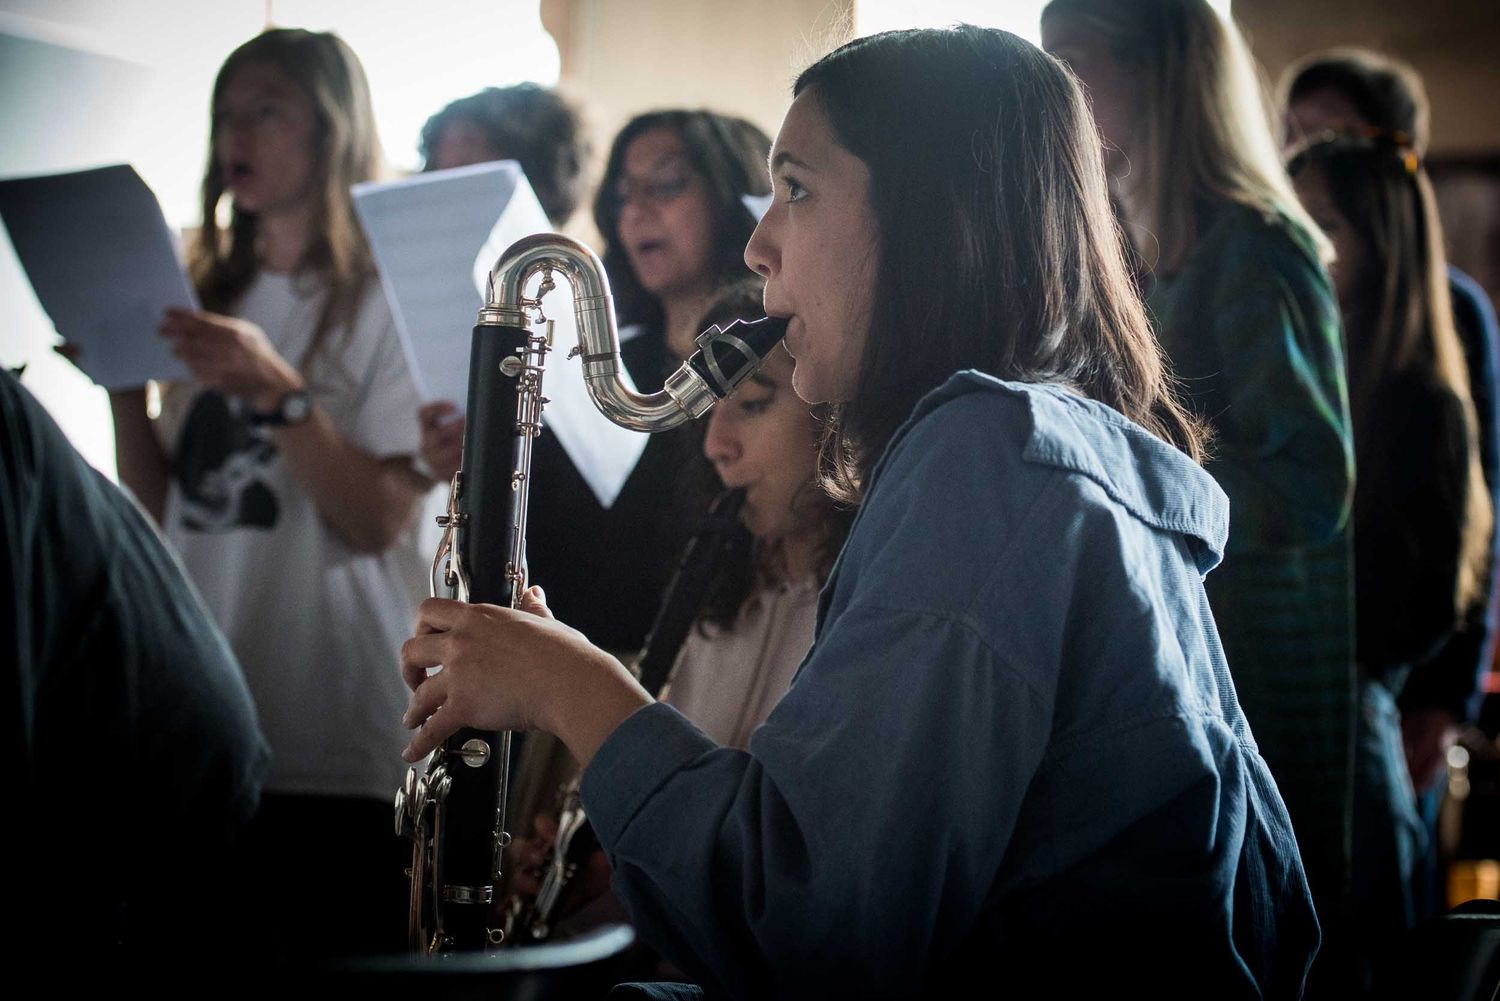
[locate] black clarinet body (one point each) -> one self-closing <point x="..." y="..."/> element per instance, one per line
<point x="454" y="813"/>
<point x="470" y="825"/>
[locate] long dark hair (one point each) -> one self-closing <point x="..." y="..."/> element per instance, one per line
<point x="998" y="249"/>
<point x="223" y="263"/>
<point x="1401" y="320"/>
<point x="730" y="155"/>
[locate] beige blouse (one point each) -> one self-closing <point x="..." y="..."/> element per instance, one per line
<point x="728" y="682"/>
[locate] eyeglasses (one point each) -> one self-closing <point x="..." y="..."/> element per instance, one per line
<point x="654" y="191"/>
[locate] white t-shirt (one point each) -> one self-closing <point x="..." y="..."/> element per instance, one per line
<point x="315" y="625"/>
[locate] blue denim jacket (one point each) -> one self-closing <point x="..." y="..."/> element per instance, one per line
<point x="1013" y="751"/>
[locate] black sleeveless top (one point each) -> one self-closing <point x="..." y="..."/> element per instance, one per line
<point x="604" y="570"/>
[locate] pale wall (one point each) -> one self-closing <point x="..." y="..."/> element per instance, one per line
<point x="624" y="57"/>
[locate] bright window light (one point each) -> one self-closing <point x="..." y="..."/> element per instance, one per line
<point x="420" y="56"/>
<point x="93" y="82"/>
<point x="1020" y="17"/>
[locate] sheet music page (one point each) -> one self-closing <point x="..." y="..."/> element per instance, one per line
<point x="435" y="237"/>
<point x="104" y="266"/>
<point x="426" y="232"/>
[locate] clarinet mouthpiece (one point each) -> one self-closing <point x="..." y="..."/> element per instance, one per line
<point x="727" y="356"/>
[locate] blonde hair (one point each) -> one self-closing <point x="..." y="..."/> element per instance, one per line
<point x="223" y="261"/>
<point x="1205" y="122"/>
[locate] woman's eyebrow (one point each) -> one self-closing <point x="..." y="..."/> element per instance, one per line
<point x="667" y="160"/>
<point x="761" y="379"/>
<point x="783" y="157"/>
<point x="252" y="94"/>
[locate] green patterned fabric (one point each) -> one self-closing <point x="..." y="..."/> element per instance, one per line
<point x="1252" y="328"/>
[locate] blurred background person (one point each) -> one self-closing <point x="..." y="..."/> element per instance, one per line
<point x="536" y="126"/>
<point x="1236" y="285"/>
<point x="125" y="713"/>
<point x="282" y="473"/>
<point x="1356" y="90"/>
<point x="1423" y="517"/>
<point x="544" y="132"/>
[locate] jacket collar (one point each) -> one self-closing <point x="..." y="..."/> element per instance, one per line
<point x="1157" y="483"/>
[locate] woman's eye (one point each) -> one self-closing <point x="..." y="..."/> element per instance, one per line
<point x="794" y="192"/>
<point x="657" y="191"/>
<point x="266" y="112"/>
<point x="755" y="407"/>
<point x="665" y="189"/>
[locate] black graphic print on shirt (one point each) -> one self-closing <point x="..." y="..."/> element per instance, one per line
<point x="221" y="467"/>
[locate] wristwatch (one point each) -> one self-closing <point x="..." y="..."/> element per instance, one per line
<point x="294" y="408"/>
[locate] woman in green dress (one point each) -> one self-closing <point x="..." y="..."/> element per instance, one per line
<point x="1234" y="274"/>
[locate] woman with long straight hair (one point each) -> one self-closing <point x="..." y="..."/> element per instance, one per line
<point x="1236" y="286"/>
<point x="1014" y="751"/>
<point x="282" y="474"/>
<point x="1423" y="517"/>
<point x="1360" y="91"/>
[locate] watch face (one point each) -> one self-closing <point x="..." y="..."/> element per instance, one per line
<point x="296" y="407"/>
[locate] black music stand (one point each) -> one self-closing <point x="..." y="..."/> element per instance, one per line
<point x="582" y="968"/>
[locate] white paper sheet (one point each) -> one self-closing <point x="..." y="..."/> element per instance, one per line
<point x="425" y="232"/>
<point x="435" y="237"/>
<point x="104" y="266"/>
<point x="757" y="205"/>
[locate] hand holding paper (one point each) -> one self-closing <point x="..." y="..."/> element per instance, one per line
<point x="102" y="261"/>
<point x="230" y="355"/>
<point x="442" y="438"/>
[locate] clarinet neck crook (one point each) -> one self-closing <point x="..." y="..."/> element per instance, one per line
<point x="724" y="359"/>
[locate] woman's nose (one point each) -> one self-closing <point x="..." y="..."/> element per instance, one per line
<point x="630" y="210"/>
<point x="763" y="253"/>
<point x="720" y="444"/>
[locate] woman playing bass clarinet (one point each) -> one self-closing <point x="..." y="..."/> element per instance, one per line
<point x="1014" y="750"/>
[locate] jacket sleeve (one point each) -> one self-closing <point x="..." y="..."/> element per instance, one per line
<point x="863" y="829"/>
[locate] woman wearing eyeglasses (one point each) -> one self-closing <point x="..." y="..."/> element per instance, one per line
<point x="671" y="213"/>
<point x="674" y="225"/>
<point x="670" y="209"/>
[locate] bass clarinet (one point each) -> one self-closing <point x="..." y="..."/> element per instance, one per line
<point x="454" y="814"/>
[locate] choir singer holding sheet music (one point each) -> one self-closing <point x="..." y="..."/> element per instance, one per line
<point x="282" y="473"/>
